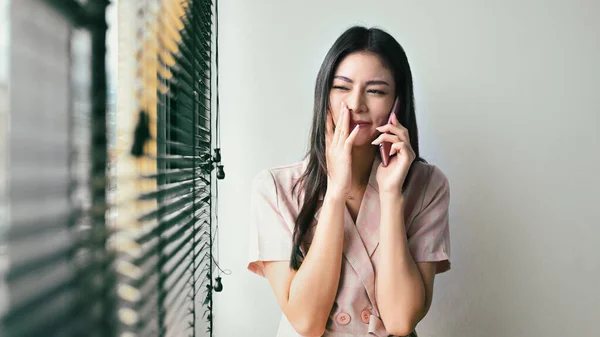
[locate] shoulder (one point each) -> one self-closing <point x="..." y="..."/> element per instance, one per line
<point x="426" y="183"/>
<point x="428" y="176"/>
<point x="279" y="175"/>
<point x="281" y="178"/>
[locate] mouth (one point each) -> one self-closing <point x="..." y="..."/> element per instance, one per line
<point x="353" y="124"/>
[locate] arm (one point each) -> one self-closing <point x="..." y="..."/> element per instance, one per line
<point x="404" y="288"/>
<point x="306" y="296"/>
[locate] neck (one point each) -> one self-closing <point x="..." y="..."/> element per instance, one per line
<point x="362" y="162"/>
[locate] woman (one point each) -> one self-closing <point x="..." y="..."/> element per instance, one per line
<point x="350" y="247"/>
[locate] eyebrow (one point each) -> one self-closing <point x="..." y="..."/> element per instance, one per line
<point x="372" y="82"/>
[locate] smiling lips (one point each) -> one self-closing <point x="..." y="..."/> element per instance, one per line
<point x="361" y="123"/>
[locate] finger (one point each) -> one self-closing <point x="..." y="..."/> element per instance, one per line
<point x="345" y="121"/>
<point x="338" y="125"/>
<point x="386" y="137"/>
<point x="399" y="131"/>
<point x="350" y="140"/>
<point x="397" y="148"/>
<point x="328" y="129"/>
<point x="401" y="147"/>
<point x="394" y="120"/>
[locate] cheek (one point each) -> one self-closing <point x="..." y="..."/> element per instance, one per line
<point x="335" y="112"/>
<point x="380" y="119"/>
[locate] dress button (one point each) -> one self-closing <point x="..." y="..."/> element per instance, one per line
<point x="365" y="316"/>
<point x="343" y="318"/>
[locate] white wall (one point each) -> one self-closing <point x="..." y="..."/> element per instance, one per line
<point x="508" y="107"/>
<point x="4" y="106"/>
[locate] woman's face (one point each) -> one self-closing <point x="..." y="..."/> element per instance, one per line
<point x="367" y="87"/>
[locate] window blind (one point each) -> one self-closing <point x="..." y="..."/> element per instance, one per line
<point x="59" y="276"/>
<point x="164" y="179"/>
<point x="108" y="238"/>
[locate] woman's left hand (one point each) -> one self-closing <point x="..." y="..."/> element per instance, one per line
<point x="391" y="178"/>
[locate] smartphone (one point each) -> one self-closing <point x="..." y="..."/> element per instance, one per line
<point x="385" y="147"/>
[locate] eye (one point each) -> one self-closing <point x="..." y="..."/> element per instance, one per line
<point x="339" y="87"/>
<point x="377" y="92"/>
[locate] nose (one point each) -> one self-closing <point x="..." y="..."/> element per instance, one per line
<point x="355" y="102"/>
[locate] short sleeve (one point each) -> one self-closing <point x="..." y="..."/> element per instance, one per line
<point x="429" y="232"/>
<point x="270" y="237"/>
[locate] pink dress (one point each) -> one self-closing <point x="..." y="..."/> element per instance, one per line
<point x="355" y="312"/>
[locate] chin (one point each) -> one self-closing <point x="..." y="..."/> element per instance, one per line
<point x="363" y="139"/>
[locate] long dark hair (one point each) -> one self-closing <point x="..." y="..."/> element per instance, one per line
<point x="313" y="181"/>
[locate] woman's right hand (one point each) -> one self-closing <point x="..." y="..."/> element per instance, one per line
<point x="338" y="145"/>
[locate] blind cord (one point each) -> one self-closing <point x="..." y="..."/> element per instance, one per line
<point x="218" y="132"/>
